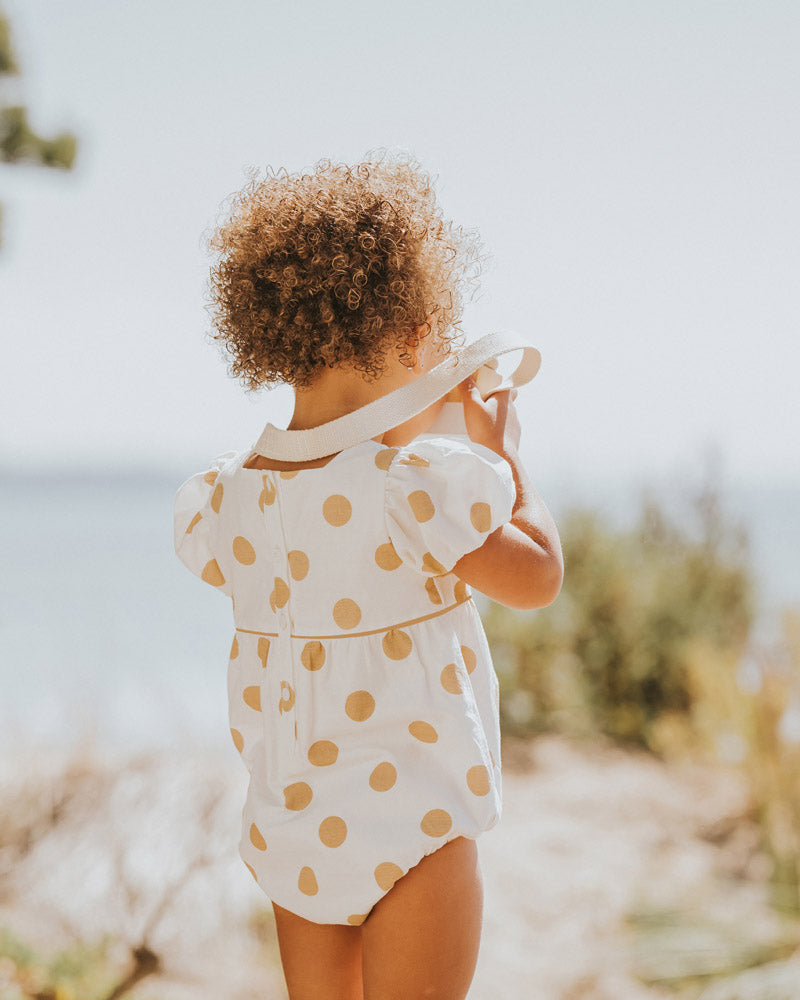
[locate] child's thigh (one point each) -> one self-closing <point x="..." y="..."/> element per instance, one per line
<point x="320" y="961"/>
<point x="422" y="938"/>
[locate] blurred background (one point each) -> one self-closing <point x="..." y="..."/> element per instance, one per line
<point x="632" y="169"/>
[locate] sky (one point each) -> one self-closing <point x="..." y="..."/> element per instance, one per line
<point x="631" y="166"/>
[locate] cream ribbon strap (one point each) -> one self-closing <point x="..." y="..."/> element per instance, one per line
<point x="401" y="404"/>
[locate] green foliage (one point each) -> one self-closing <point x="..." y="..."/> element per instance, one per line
<point x="682" y="951"/>
<point x="611" y="654"/>
<point x="11" y="947"/>
<point x="81" y="972"/>
<point x="8" y="64"/>
<point x="20" y="144"/>
<point x="18" y="141"/>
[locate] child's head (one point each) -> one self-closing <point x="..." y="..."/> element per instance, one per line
<point x="336" y="268"/>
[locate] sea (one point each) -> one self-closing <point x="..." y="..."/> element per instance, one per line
<point x="106" y="639"/>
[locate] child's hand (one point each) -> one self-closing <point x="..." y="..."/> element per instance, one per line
<point x="492" y="422"/>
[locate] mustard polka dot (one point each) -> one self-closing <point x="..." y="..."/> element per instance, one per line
<point x="297" y="795"/>
<point x="481" y="516"/>
<point x="436" y="823"/>
<point x="298" y="564"/>
<point x="313" y="655"/>
<point x="470" y="659"/>
<point x="412" y="459"/>
<point x="396" y="644"/>
<point x="460" y="591"/>
<point x="478" y="780"/>
<point x="238" y="739"/>
<point x="423" y="731"/>
<point x="251" y="870"/>
<point x="286" y="704"/>
<point x="346" y="613"/>
<point x="288" y="474"/>
<point x="359" y="705"/>
<point x="332" y="831"/>
<point x="279" y="595"/>
<point x="337" y="510"/>
<point x="263" y="649"/>
<point x="216" y="498"/>
<point x="386" y="556"/>
<point x="198" y="517"/>
<point x="383" y="776"/>
<point x="387" y="873"/>
<point x="211" y="476"/>
<point x="212" y="574"/>
<point x="383" y="459"/>
<point x="307" y="881"/>
<point x="356" y="919"/>
<point x="451" y="679"/>
<point x="432" y="591"/>
<point x="256" y="838"/>
<point x="421" y="505"/>
<point x="322" y="753"/>
<point x="252" y="697"/>
<point x="431" y="565"/>
<point x="234" y="648"/>
<point x="267" y="496"/>
<point x="243" y="551"/>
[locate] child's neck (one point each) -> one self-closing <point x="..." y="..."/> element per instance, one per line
<point x="338" y="391"/>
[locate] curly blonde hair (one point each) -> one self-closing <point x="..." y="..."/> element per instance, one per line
<point x="336" y="268"/>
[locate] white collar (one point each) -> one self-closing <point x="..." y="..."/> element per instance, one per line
<point x="401" y="404"/>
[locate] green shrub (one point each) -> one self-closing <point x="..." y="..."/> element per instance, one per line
<point x="82" y="971"/>
<point x="611" y="654"/>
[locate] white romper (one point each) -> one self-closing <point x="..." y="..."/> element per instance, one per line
<point x="362" y="695"/>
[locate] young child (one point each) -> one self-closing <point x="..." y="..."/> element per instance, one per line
<point x="362" y="695"/>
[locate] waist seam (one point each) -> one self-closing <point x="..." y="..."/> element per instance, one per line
<point x="373" y="631"/>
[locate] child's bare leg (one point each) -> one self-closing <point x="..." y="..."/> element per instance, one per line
<point x="421" y="939"/>
<point x="320" y="961"/>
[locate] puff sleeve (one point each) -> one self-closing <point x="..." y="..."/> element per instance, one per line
<point x="442" y="499"/>
<point x="195" y="512"/>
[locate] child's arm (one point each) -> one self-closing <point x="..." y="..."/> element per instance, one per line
<point x="520" y="564"/>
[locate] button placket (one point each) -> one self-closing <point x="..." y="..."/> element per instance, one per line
<point x="270" y="683"/>
<point x="284" y="620"/>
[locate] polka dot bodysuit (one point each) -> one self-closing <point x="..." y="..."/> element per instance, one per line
<point x="362" y="695"/>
